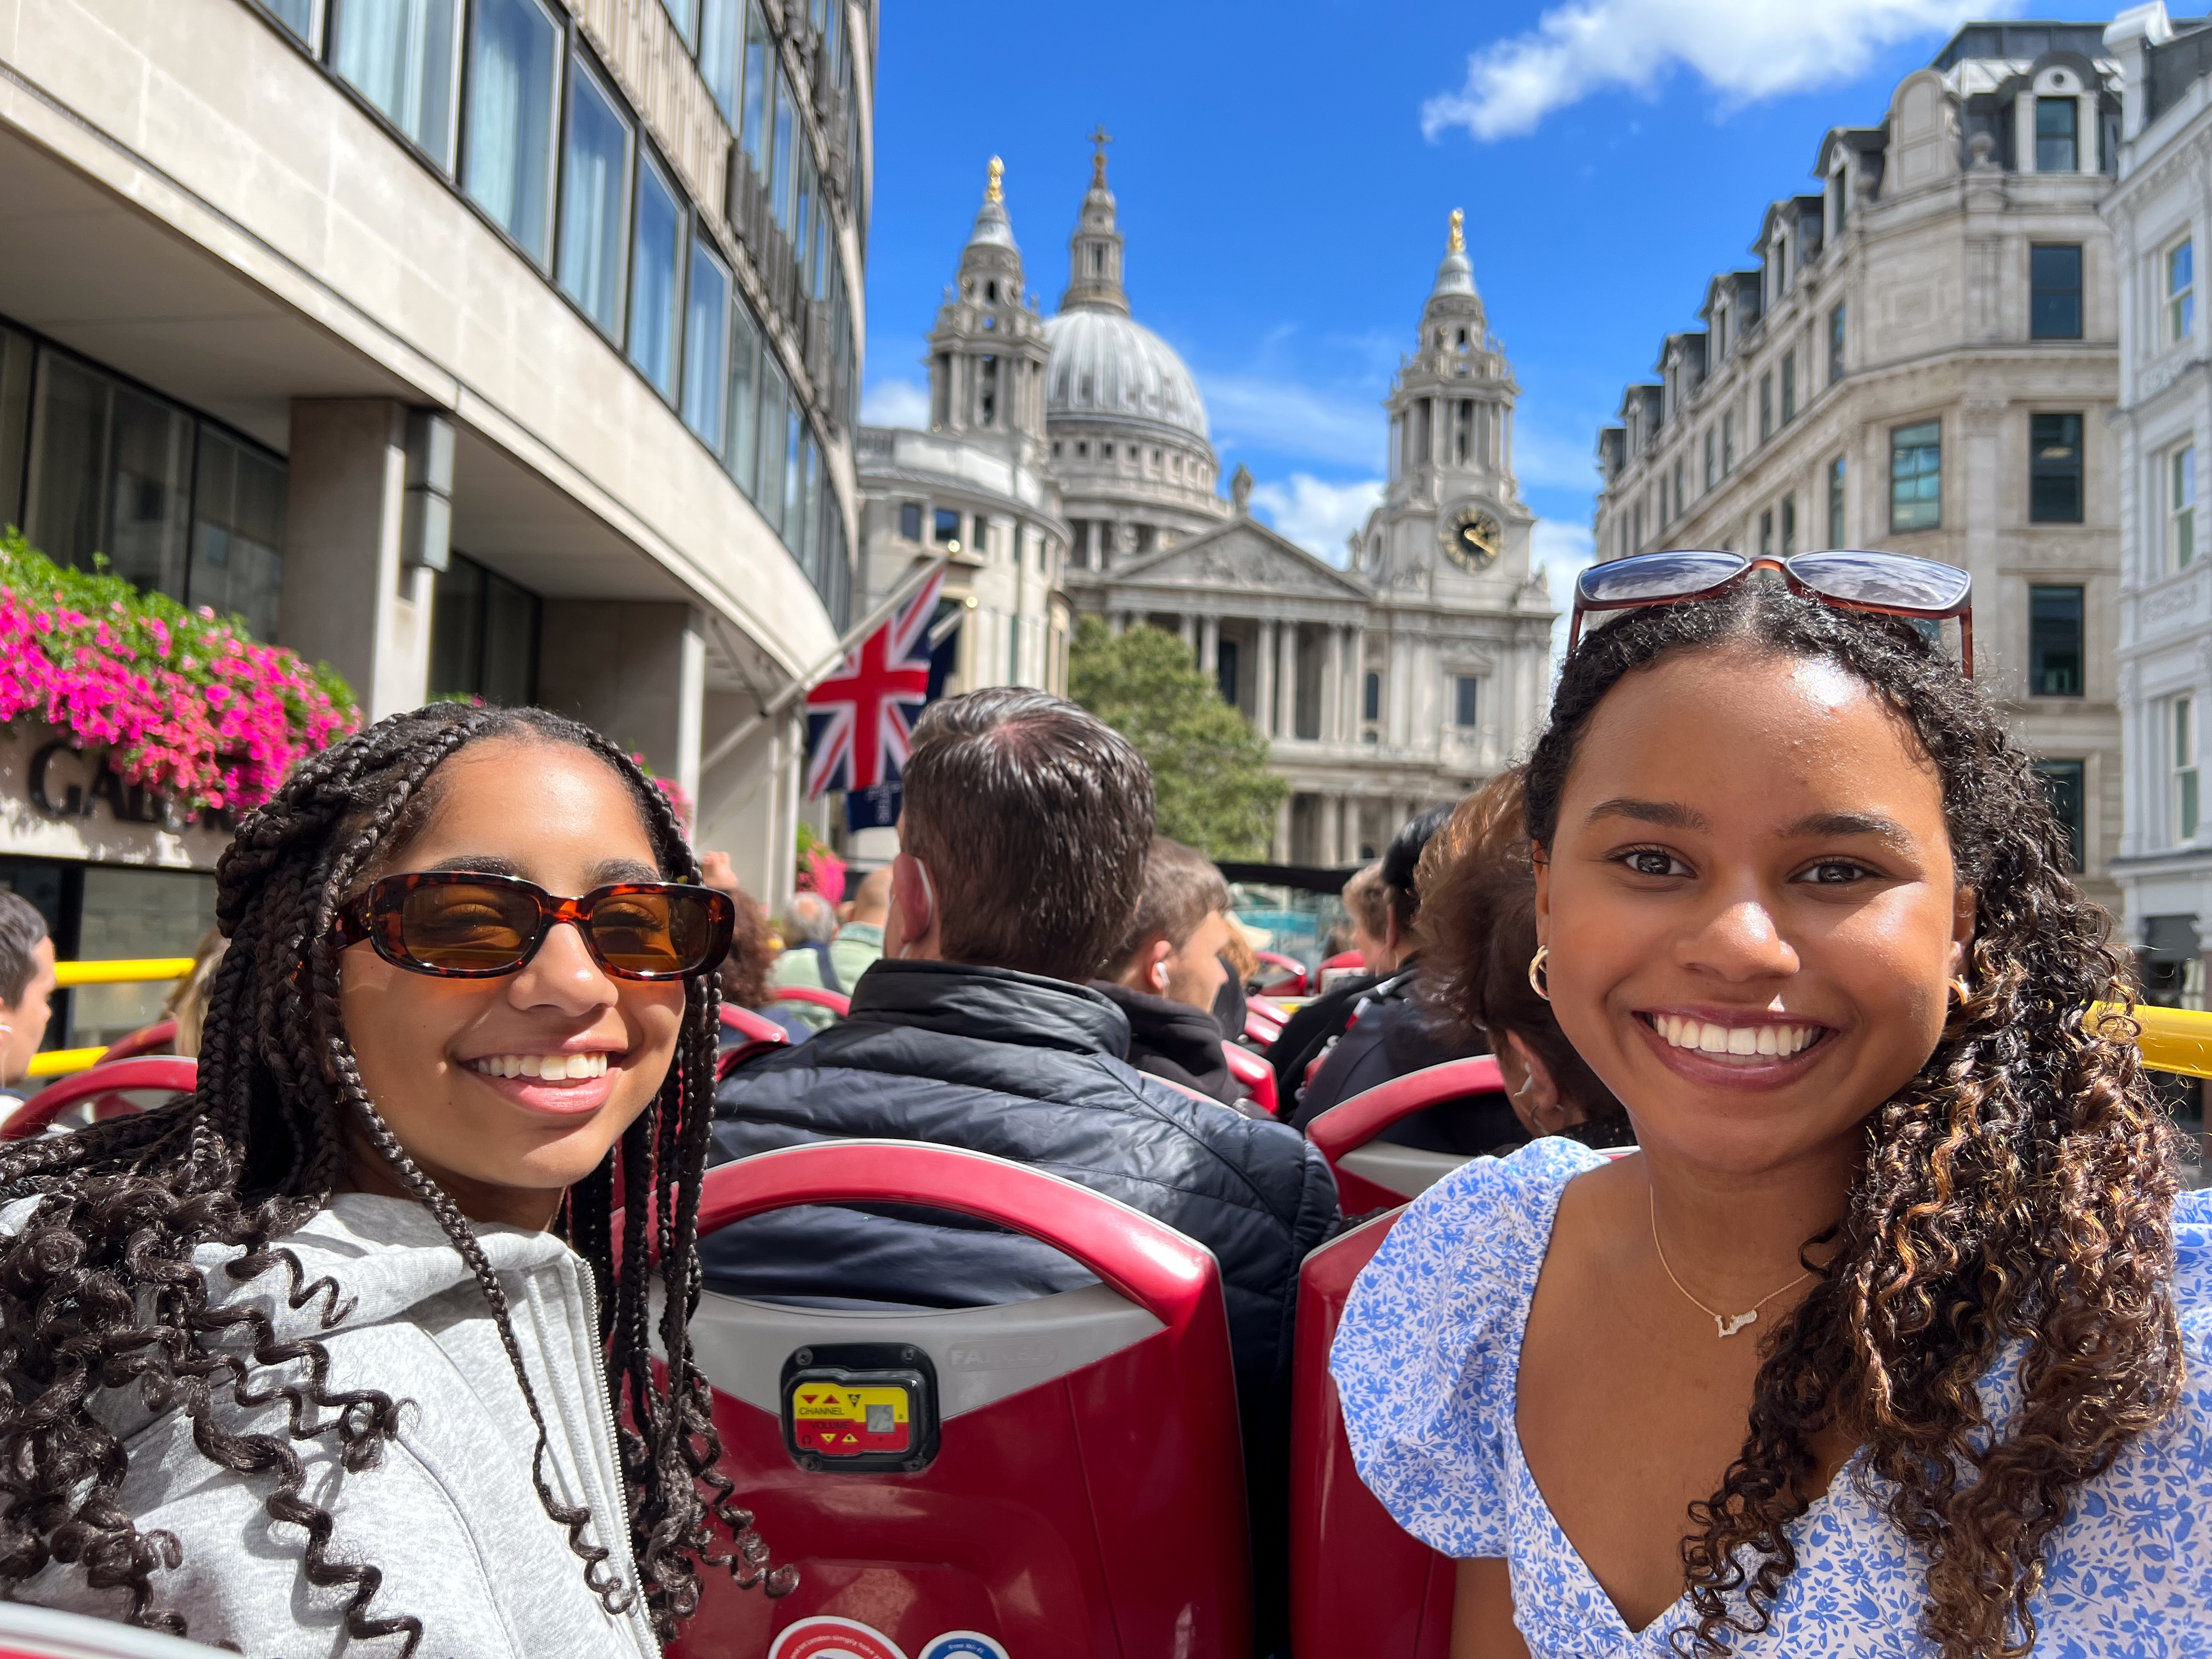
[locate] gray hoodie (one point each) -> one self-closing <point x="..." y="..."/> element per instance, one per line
<point x="449" y="1514"/>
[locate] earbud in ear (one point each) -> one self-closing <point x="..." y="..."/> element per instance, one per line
<point x="1159" y="976"/>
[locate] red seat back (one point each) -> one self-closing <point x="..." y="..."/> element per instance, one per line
<point x="1285" y="975"/>
<point x="155" y="1039"/>
<point x="28" y="1633"/>
<point x="1375" y="1174"/>
<point x="1087" y="1494"/>
<point x="839" y="1006"/>
<point x="1359" y="1583"/>
<point x="1257" y="1077"/>
<point x="751" y="1026"/>
<point x="127" y="1085"/>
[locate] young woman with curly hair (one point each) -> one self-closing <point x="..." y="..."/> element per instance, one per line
<point x="1892" y="1340"/>
<point x="340" y="1354"/>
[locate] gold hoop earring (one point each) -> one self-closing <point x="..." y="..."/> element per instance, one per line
<point x="1537" y="972"/>
<point x="1960" y="989"/>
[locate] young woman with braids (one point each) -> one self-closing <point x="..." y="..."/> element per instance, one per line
<point x="338" y="1354"/>
<point x="1892" y="1339"/>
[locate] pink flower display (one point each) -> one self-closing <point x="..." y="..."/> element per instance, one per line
<point x="185" y="702"/>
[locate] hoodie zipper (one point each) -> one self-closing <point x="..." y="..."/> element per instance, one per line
<point x="613" y="1431"/>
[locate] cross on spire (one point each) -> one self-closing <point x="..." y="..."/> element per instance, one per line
<point x="1099" y="140"/>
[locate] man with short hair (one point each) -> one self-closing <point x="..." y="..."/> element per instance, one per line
<point x="836" y="963"/>
<point x="1026" y="828"/>
<point x="1166" y="971"/>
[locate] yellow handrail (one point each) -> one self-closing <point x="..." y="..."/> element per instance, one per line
<point x="59" y="1062"/>
<point x="127" y="971"/>
<point x="2172" y="1039"/>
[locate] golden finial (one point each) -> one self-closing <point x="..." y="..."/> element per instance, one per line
<point x="1099" y="140"/>
<point x="994" y="192"/>
<point x="1458" y="233"/>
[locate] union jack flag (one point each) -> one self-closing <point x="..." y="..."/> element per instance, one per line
<point x="860" y="719"/>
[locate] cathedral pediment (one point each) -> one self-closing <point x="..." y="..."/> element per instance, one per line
<point x="1242" y="557"/>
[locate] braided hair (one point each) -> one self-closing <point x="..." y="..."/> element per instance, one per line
<point x="2015" y="1196"/>
<point x="98" y="1289"/>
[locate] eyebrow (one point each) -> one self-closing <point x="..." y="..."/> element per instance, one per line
<point x="606" y="873"/>
<point x="1672" y="815"/>
<point x="1826" y="825"/>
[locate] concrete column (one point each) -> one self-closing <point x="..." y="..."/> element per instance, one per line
<point x="1263" y="688"/>
<point x="1209" y="648"/>
<point x="637" y="670"/>
<point x="1332" y="697"/>
<point x="1286" y="681"/>
<point x="749" y="803"/>
<point x="347" y="600"/>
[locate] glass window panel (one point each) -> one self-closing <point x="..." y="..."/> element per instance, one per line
<point x="17" y="354"/>
<point x="110" y="474"/>
<point x="2181" y="504"/>
<point x="1467" y="690"/>
<point x="399" y="55"/>
<point x="719" y="48"/>
<point x="2054" y="642"/>
<point x="1370" y="697"/>
<point x="2068" y="800"/>
<point x="299" y="16"/>
<point x="784" y="185"/>
<point x="706" y="339"/>
<point x="742" y="451"/>
<point x="238" y="532"/>
<point x="2056" y="147"/>
<point x="514" y="70"/>
<point x="510" y="643"/>
<point x="2055" y="297"/>
<point x="2181" y="291"/>
<point x="798" y="492"/>
<point x="759" y="90"/>
<point x="1915" y="477"/>
<point x="655" y="258"/>
<point x="595" y="201"/>
<point x="456" y="628"/>
<point x="2055" y="469"/>
<point x="685" y="14"/>
<point x="134" y="912"/>
<point x="775" y="410"/>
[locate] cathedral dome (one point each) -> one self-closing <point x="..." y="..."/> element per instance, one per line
<point x="1106" y="364"/>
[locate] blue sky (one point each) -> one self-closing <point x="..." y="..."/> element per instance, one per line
<point x="1285" y="169"/>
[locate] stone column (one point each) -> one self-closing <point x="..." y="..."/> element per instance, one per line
<point x="634" y="669"/>
<point x="1209" y="648"/>
<point x="348" y="598"/>
<point x="1280" y="851"/>
<point x="1329" y="816"/>
<point x="1263" y="689"/>
<point x="1332" y="695"/>
<point x="1117" y="623"/>
<point x="1190" y="625"/>
<point x="1286" y="681"/>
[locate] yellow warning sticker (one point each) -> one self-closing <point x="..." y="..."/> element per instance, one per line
<point x="843" y="1421"/>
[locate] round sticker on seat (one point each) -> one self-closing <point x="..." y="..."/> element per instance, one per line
<point x="964" y="1644"/>
<point x="824" y="1637"/>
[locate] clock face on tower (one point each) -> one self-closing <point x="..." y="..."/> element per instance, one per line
<point x="1472" y="540"/>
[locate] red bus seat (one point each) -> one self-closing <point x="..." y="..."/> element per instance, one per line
<point x="752" y="1027"/>
<point x="159" y="1038"/>
<point x="837" y="1005"/>
<point x="127" y="1085"/>
<point x="1086" y="1496"/>
<point x="1289" y="977"/>
<point x="1375" y="1175"/>
<point x="1264" y="1019"/>
<point x="1257" y="1077"/>
<point x="1359" y="1583"/>
<point x="28" y="1633"/>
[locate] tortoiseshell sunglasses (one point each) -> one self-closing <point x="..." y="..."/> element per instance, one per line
<point x="456" y="924"/>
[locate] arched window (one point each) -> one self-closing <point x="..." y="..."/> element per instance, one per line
<point x="1370" y="700"/>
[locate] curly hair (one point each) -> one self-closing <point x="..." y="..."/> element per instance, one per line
<point x="2015" y="1196"/>
<point x="1476" y="933"/>
<point x="99" y="1289"/>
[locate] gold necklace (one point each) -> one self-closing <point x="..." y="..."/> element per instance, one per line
<point x="1726" y="1324"/>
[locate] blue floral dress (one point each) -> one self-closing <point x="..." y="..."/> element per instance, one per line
<point x="1427" y="1361"/>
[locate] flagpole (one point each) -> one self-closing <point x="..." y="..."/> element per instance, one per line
<point x="804" y="682"/>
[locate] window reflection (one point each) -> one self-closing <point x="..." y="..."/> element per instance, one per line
<point x="514" y="66"/>
<point x="595" y="206"/>
<point x="705" y="334"/>
<point x="399" y="55"/>
<point x="654" y="262"/>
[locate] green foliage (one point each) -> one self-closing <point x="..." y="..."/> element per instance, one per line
<point x="1211" y="782"/>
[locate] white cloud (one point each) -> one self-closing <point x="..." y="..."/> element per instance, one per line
<point x="896" y="402"/>
<point x="1562" y="551"/>
<point x="1744" y="50"/>
<point x="1317" y="516"/>
<point x="1287" y="417"/>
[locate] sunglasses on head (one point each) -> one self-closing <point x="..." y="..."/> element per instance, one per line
<point x="1888" y="583"/>
<point x="456" y="924"/>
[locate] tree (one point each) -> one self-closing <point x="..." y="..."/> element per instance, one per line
<point x="1210" y="783"/>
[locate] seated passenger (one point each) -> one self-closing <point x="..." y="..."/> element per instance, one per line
<point x="26" y="989"/>
<point x="1478" y="930"/>
<point x="1166" y="972"/>
<point x="1321" y="1019"/>
<point x="1023" y="844"/>
<point x="1390" y="1033"/>
<point x="1895" y="1341"/>
<point x="810" y="930"/>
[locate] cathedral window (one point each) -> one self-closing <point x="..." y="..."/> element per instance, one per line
<point x="1371" y="696"/>
<point x="1728" y="442"/>
<point x="1466" y="695"/>
<point x="1463" y="431"/>
<point x="1712" y="460"/>
<point x="1766" y="407"/>
<point x="910" y="520"/>
<point x="1790" y="388"/>
<point x="945" y="527"/>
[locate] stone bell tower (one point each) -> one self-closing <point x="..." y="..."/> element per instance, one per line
<point x="987" y="355"/>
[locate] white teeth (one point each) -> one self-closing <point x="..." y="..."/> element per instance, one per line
<point x="553" y="1067"/>
<point x="1780" y="1041"/>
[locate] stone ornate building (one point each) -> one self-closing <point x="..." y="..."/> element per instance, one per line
<point x="1396" y="682"/>
<point x="2161" y="205"/>
<point x="1924" y="357"/>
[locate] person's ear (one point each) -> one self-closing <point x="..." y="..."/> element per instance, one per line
<point x="1964" y="908"/>
<point x="1541" y="867"/>
<point x="1540" y="1090"/>
<point x="1155" y="959"/>
<point x="914" y="903"/>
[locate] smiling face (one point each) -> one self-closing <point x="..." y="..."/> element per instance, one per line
<point x="1751" y="905"/>
<point x="508" y="1090"/>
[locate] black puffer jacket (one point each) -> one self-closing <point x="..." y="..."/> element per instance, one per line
<point x="1029" y="1069"/>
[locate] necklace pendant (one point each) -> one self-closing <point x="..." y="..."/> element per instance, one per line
<point x="1730" y="1324"/>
